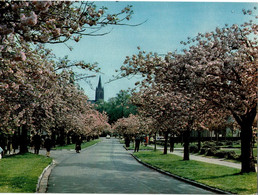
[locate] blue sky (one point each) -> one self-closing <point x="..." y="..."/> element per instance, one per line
<point x="167" y="24"/>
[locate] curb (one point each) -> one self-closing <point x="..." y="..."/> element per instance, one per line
<point x="197" y="184"/>
<point x="43" y="178"/>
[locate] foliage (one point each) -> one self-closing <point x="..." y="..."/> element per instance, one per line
<point x="117" y="107"/>
<point x="193" y="148"/>
<point x="227" y="154"/>
<point x="20" y="173"/>
<point x="211" y="151"/>
<point x="222" y="177"/>
<point x="36" y="92"/>
<point x="131" y="125"/>
<point x="212" y="79"/>
<point x="56" y="21"/>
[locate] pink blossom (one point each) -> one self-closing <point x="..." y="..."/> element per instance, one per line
<point x="22" y="55"/>
<point x="32" y="20"/>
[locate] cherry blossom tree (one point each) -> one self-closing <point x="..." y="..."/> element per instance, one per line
<point x="97" y="122"/>
<point x="56" y="21"/>
<point x="52" y="22"/>
<point x="33" y="96"/>
<point x="224" y="72"/>
<point x="219" y="69"/>
<point x="131" y="126"/>
<point x="172" y="112"/>
<point x="22" y="84"/>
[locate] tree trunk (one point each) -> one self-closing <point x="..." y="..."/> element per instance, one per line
<point x="246" y="135"/>
<point x="166" y="143"/>
<point x="247" y="149"/>
<point x="172" y="143"/>
<point x="155" y="142"/>
<point x="24" y="140"/>
<point x="62" y="137"/>
<point x="186" y="135"/>
<point x="68" y="138"/>
<point x="53" y="138"/>
<point x="199" y="140"/>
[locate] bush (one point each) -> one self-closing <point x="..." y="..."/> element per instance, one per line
<point x="221" y="154"/>
<point x="228" y="154"/>
<point x="211" y="151"/>
<point x="232" y="155"/>
<point x="229" y="143"/>
<point x="194" y="148"/>
<point x="218" y="143"/>
<point x="210" y="145"/>
<point x="203" y="150"/>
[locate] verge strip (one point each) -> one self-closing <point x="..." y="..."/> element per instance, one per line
<point x="206" y="187"/>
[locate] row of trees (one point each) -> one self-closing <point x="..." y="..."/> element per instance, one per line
<point x="214" y="78"/>
<point x="36" y="92"/>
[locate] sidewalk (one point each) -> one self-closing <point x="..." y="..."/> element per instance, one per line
<point x="180" y="152"/>
<point x="217" y="161"/>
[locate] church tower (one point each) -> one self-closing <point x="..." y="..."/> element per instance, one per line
<point x="99" y="91"/>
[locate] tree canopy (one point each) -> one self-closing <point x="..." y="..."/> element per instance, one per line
<point x="215" y="76"/>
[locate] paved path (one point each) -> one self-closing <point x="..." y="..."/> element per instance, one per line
<point x="218" y="161"/>
<point x="108" y="168"/>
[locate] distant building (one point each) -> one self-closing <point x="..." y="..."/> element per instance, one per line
<point x="99" y="93"/>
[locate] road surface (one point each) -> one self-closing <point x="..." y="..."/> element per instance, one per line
<point x="108" y="168"/>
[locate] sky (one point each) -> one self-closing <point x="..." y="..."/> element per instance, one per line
<point x="167" y="24"/>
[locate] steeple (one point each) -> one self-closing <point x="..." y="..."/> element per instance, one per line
<point x="100" y="84"/>
<point x="99" y="91"/>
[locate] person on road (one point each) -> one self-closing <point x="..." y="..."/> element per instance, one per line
<point x="48" y="145"/>
<point x="36" y="142"/>
<point x="78" y="144"/>
<point x="137" y="144"/>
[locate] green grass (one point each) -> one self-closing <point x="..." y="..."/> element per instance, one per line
<point x="20" y="173"/>
<point x="239" y="146"/>
<point x="225" y="178"/>
<point x="72" y="146"/>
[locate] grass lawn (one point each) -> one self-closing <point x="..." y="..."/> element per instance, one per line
<point x="84" y="145"/>
<point x="225" y="178"/>
<point x="20" y="173"/>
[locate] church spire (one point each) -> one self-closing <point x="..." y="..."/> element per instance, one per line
<point x="100" y="84"/>
<point x="99" y="91"/>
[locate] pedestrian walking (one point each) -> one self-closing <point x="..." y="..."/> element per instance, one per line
<point x="36" y="141"/>
<point x="78" y="144"/>
<point x="127" y="141"/>
<point x="48" y="145"/>
<point x="137" y="144"/>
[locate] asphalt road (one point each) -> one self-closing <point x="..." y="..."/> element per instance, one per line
<point x="108" y="168"/>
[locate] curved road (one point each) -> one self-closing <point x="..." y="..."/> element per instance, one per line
<point x="108" y="168"/>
